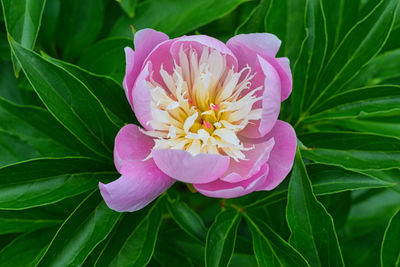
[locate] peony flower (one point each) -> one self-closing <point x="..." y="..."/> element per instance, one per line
<point x="208" y="112"/>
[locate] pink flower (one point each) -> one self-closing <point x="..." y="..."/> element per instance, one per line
<point x="209" y="115"/>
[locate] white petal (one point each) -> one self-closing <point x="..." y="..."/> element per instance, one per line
<point x="228" y="136"/>
<point x="173" y="105"/>
<point x="194" y="148"/>
<point x="203" y="135"/>
<point x="189" y="122"/>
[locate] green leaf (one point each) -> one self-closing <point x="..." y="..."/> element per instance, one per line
<point x="363" y="243"/>
<point x="182" y="243"/>
<point x="107" y="91"/>
<point x="26" y="249"/>
<point x="44" y="167"/>
<point x="13" y="88"/>
<point x="240" y="260"/>
<point x="5" y="54"/>
<point x="106" y="57"/>
<point x="174" y="18"/>
<point x="393" y="40"/>
<point x="187" y="219"/>
<point x="37" y="128"/>
<point x="325" y="179"/>
<point x="221" y="238"/>
<point x="85" y="228"/>
<point x="354" y="52"/>
<point x="51" y="14"/>
<point x="22" y="18"/>
<point x="255" y="21"/>
<point x="78" y="26"/>
<point x="382" y="69"/>
<point x="311" y="226"/>
<point x="274" y="215"/>
<point x="47" y="180"/>
<point x="359" y="103"/>
<point x="338" y="206"/>
<point x="49" y="190"/>
<point x="373" y="208"/>
<point x="270" y="249"/>
<point x="390" y="176"/>
<point x="26" y="221"/>
<point x="340" y="18"/>
<point x="351" y="150"/>
<point x="286" y="20"/>
<point x="69" y="100"/>
<point x="128" y="6"/>
<point x="8" y="83"/>
<point x="390" y="252"/>
<point x="133" y="240"/>
<point x="330" y="179"/>
<point x="188" y="249"/>
<point x="13" y="149"/>
<point x="312" y="56"/>
<point x="384" y="126"/>
<point x="365" y="7"/>
<point x="167" y="256"/>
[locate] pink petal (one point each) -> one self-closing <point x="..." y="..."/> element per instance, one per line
<point x="263" y="43"/>
<point x="271" y="97"/>
<point x="286" y="76"/>
<point x="145" y="41"/>
<point x="270" y="174"/>
<point x="271" y="102"/>
<point x="255" y="159"/>
<point x="129" y="79"/>
<point x="161" y="56"/>
<point x="247" y="46"/>
<point x="223" y="189"/>
<point x="282" y="155"/>
<point x="182" y="166"/>
<point x="131" y="146"/>
<point x="140" y="183"/>
<point x="141" y="97"/>
<point x="198" y="41"/>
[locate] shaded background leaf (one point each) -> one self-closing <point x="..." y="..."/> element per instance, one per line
<point x="22" y="19"/>
<point x="175" y="17"/>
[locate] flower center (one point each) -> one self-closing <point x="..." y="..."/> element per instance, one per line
<point x="202" y="105"/>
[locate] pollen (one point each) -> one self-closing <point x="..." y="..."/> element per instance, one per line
<point x="202" y="104"/>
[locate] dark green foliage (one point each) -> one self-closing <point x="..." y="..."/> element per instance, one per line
<point x="58" y="120"/>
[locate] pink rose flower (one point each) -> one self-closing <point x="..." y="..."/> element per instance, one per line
<point x="209" y="115"/>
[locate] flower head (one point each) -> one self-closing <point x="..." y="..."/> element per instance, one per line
<point x="209" y="116"/>
<point x="202" y="105"/>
